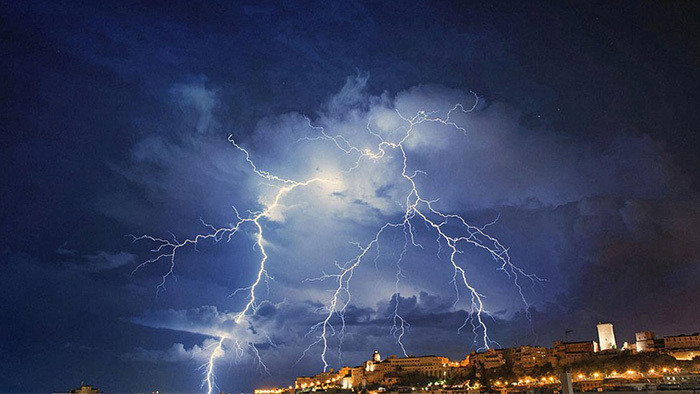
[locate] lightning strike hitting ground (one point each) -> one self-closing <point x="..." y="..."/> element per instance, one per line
<point x="451" y="231"/>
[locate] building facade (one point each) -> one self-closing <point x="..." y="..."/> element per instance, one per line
<point x="491" y="358"/>
<point x="565" y="353"/>
<point x="644" y="341"/>
<point x="606" y="336"/>
<point x="435" y="366"/>
<point x="528" y="357"/>
<point x="331" y="378"/>
<point x="686" y="341"/>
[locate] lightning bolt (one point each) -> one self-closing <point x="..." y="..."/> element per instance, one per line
<point x="398" y="329"/>
<point x="208" y="367"/>
<point x="168" y="249"/>
<point x="417" y="208"/>
<point x="451" y="230"/>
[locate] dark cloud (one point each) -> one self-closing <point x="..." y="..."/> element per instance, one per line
<point x="176" y="353"/>
<point x="98" y="261"/>
<point x="655" y="251"/>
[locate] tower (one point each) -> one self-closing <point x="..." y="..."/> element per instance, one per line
<point x="606" y="336"/>
<point x="645" y="341"/>
<point x="376" y="357"/>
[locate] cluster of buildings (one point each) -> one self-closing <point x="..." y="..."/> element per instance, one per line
<point x="389" y="371"/>
<point x="681" y="347"/>
<point x="385" y="372"/>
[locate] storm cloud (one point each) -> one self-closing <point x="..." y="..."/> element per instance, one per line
<point x="580" y="156"/>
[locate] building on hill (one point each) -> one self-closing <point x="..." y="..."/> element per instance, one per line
<point x="83" y="389"/>
<point x="683" y="341"/>
<point x="390" y="369"/>
<point x="606" y="337"/>
<point x="523" y="360"/>
<point x="435" y="366"/>
<point x="644" y="341"/>
<point x="682" y="347"/>
<point x="565" y="353"/>
<point x="491" y="358"/>
<point x="528" y="357"/>
<point x="376" y="371"/>
<point x="331" y="378"/>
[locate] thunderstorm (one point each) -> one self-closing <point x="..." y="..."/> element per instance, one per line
<point x="452" y="232"/>
<point x="349" y="197"/>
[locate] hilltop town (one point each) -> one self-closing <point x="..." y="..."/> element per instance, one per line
<point x="650" y="362"/>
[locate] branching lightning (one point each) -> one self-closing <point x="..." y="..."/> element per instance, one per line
<point x="208" y="367"/>
<point x="421" y="209"/>
<point x="398" y="328"/>
<point x="167" y="250"/>
<point x="452" y="232"/>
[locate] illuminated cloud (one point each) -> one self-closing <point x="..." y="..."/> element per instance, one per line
<point x="495" y="162"/>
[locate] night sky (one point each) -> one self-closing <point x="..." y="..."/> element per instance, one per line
<point x="115" y="117"/>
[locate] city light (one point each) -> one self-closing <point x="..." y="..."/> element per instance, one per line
<point x="376" y="369"/>
<point x="268" y="391"/>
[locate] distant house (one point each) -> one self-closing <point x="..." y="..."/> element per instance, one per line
<point x="84" y="389"/>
